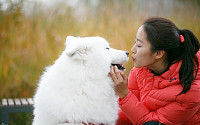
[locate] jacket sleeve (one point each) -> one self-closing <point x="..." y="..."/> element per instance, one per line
<point x="133" y="109"/>
<point x="132" y="86"/>
<point x="132" y="82"/>
<point x="176" y="112"/>
<point x="122" y="119"/>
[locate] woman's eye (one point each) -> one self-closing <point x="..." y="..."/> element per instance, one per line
<point x="107" y="48"/>
<point x="137" y="43"/>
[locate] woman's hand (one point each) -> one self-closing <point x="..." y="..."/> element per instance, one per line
<point x="120" y="80"/>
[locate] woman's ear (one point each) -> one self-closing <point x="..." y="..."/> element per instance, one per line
<point x="159" y="54"/>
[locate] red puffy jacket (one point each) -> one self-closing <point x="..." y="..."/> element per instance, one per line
<point x="155" y="98"/>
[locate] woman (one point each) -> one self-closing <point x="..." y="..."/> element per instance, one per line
<point x="164" y="85"/>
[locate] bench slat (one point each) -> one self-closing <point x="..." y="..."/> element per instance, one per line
<point x="10" y="102"/>
<point x="4" y="102"/>
<point x="24" y="101"/>
<point x="30" y="101"/>
<point x="17" y="102"/>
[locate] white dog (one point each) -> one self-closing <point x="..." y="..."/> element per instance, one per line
<point x="77" y="89"/>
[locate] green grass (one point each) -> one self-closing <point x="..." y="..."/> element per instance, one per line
<point x="30" y="43"/>
<point x="20" y="119"/>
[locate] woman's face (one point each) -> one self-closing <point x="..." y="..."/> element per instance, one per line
<point x="142" y="54"/>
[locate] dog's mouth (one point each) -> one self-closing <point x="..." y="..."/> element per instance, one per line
<point x="119" y="66"/>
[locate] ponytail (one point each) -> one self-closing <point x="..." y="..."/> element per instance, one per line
<point x="190" y="64"/>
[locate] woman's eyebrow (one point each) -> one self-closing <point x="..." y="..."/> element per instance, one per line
<point x="139" y="40"/>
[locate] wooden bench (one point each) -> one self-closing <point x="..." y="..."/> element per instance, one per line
<point x="15" y="105"/>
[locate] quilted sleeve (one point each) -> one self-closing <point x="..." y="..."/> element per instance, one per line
<point x="132" y="82"/>
<point x="133" y="109"/>
<point x="133" y="87"/>
<point x="122" y="119"/>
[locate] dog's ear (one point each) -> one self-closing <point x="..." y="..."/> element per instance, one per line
<point x="76" y="48"/>
<point x="77" y="51"/>
<point x="69" y="39"/>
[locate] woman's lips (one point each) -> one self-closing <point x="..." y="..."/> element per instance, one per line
<point x="133" y="58"/>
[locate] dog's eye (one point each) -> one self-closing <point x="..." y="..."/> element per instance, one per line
<point x="107" y="48"/>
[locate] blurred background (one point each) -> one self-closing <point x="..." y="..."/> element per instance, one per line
<point x="33" y="32"/>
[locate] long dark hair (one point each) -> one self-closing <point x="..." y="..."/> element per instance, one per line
<point x="164" y="35"/>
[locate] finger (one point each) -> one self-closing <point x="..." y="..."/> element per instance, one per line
<point x="117" y="73"/>
<point x="111" y="70"/>
<point x="112" y="74"/>
<point x="123" y="75"/>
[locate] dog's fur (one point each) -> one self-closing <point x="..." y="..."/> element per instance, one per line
<point x="77" y="87"/>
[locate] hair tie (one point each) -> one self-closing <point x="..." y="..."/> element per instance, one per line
<point x="181" y="38"/>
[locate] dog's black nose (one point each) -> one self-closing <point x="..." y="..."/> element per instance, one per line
<point x="127" y="53"/>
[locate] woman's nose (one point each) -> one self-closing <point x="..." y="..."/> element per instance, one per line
<point x="133" y="49"/>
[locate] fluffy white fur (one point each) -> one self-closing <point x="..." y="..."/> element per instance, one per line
<point x="77" y="87"/>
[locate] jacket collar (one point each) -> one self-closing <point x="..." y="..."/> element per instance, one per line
<point x="171" y="71"/>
